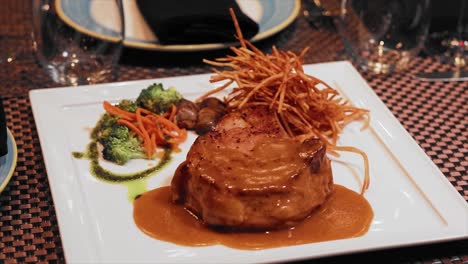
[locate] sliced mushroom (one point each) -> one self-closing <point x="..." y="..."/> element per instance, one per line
<point x="187" y="114"/>
<point x="212" y="102"/>
<point x="211" y="110"/>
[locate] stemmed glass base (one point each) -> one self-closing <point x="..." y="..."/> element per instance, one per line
<point x="448" y="48"/>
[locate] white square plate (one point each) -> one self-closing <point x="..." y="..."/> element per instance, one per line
<point x="412" y="201"/>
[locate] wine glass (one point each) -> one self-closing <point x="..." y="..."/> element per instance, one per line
<point x="383" y="36"/>
<point x="449" y="45"/>
<point x="72" y="55"/>
<point x="320" y="16"/>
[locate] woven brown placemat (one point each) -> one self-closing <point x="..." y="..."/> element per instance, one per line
<point x="434" y="113"/>
<point x="28" y="225"/>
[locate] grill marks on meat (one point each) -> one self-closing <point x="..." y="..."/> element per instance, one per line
<point x="247" y="174"/>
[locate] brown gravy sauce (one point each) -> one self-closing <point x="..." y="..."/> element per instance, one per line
<point x="345" y="214"/>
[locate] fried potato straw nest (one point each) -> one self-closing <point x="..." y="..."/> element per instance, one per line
<point x="305" y="106"/>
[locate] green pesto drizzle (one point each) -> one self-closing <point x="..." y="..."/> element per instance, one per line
<point x="78" y="155"/>
<point x="99" y="172"/>
<point x="135" y="182"/>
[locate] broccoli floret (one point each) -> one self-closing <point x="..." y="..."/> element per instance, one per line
<point x="127" y="105"/>
<point x="104" y="126"/>
<point x="120" y="146"/>
<point x="107" y="122"/>
<point x="156" y="99"/>
<point x="116" y="131"/>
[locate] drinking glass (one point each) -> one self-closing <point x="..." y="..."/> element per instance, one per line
<point x="448" y="42"/>
<point x="383" y="35"/>
<point x="71" y="53"/>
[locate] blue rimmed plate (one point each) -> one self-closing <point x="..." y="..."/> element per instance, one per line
<point x="8" y="162"/>
<point x="86" y="16"/>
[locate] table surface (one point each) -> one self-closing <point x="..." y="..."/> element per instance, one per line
<point x="434" y="113"/>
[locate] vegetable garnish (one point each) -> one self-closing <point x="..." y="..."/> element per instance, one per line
<point x="154" y="130"/>
<point x="135" y="129"/>
<point x="157" y="99"/>
<point x="305" y="106"/>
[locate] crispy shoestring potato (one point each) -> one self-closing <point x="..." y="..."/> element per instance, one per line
<point x="306" y="107"/>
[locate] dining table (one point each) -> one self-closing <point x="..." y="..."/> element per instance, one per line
<point x="433" y="112"/>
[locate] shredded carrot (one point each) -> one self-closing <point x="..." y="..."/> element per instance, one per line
<point x="167" y="123"/>
<point x="131" y="126"/>
<point x="153" y="129"/>
<point x="153" y="140"/>
<point x="173" y="112"/>
<point x="113" y="110"/>
<point x="159" y="134"/>
<point x="146" y="112"/>
<point x="146" y="137"/>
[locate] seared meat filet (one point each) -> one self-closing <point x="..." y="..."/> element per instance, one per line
<point x="247" y="174"/>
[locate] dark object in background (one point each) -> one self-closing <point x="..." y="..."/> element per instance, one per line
<point x="195" y="22"/>
<point x="318" y="17"/>
<point x="447" y="30"/>
<point x="400" y="24"/>
<point x="444" y="15"/>
<point x="3" y="131"/>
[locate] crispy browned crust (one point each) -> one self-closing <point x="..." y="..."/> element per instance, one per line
<point x="247" y="174"/>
